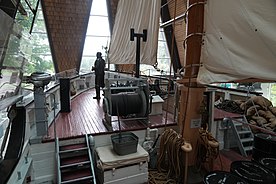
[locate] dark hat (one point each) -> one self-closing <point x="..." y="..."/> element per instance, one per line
<point x="99" y="54"/>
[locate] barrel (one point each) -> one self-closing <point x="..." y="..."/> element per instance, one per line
<point x="216" y="177"/>
<point x="264" y="146"/>
<point x="252" y="172"/>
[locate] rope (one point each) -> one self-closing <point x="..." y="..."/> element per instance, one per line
<point x="230" y="106"/>
<point x="156" y="177"/>
<point x="208" y="147"/>
<point x="170" y="158"/>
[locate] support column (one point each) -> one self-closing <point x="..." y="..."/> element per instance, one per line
<point x="190" y="117"/>
<point x="40" y="111"/>
<point x="191" y="92"/>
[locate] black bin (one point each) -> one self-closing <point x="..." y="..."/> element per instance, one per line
<point x="216" y="177"/>
<point x="269" y="163"/>
<point x="264" y="146"/>
<point x="65" y="99"/>
<point x="252" y="172"/>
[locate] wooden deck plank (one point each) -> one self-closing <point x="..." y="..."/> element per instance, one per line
<point x="86" y="117"/>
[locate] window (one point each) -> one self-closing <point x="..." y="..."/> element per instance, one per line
<point x="97" y="36"/>
<point x="41" y="57"/>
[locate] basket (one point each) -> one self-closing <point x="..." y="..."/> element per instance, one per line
<point x="124" y="143"/>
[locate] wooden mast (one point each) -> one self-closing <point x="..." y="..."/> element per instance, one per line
<point x="191" y="94"/>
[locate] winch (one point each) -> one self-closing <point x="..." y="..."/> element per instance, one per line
<point x="126" y="97"/>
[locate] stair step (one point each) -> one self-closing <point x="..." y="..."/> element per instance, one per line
<point x="247" y="139"/>
<point x="73" y="147"/>
<point x="74" y="160"/>
<point x="248" y="148"/>
<point x="73" y="150"/>
<point x="78" y="164"/>
<point x="76" y="176"/>
<point x="82" y="180"/>
<point x="244" y="132"/>
<point x="237" y="124"/>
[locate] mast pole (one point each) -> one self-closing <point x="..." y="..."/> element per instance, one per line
<point x="138" y="41"/>
<point x="191" y="94"/>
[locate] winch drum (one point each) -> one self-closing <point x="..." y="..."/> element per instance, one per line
<point x="127" y="103"/>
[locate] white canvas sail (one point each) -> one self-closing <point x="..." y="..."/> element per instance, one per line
<point x="142" y="14"/>
<point x="239" y="41"/>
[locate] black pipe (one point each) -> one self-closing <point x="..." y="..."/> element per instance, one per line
<point x="138" y="35"/>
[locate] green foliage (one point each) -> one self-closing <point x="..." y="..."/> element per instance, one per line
<point x="40" y="59"/>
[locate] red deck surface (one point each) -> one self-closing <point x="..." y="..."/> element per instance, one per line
<point x="86" y="118"/>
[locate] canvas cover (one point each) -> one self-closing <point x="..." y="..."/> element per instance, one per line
<point x="239" y="41"/>
<point x="142" y="14"/>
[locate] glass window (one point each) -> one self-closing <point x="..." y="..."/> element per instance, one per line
<point x="97" y="35"/>
<point x="41" y="57"/>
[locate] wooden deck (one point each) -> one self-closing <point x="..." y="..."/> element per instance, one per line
<point x="86" y="117"/>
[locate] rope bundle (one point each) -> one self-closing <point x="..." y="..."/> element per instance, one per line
<point x="230" y="106"/>
<point x="156" y="177"/>
<point x="208" y="147"/>
<point x="171" y="156"/>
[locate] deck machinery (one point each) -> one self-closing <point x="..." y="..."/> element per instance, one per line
<point x="127" y="98"/>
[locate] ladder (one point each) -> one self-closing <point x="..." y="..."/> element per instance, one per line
<point x="75" y="161"/>
<point x="243" y="134"/>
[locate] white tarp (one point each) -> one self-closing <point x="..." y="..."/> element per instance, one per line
<point x="137" y="14"/>
<point x="240" y="41"/>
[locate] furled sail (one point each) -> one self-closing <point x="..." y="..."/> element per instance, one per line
<point x="142" y="14"/>
<point x="239" y="41"/>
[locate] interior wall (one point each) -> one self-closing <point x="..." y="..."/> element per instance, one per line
<point x="66" y="23"/>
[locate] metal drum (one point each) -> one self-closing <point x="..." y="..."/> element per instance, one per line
<point x="127" y="103"/>
<point x="252" y="172"/>
<point x="217" y="177"/>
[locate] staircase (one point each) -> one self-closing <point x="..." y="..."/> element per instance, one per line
<point x="243" y="135"/>
<point x="74" y="161"/>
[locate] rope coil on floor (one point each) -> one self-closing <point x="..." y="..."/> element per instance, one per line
<point x="170" y="158"/>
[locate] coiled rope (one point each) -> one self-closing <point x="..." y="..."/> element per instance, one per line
<point x="230" y="106"/>
<point x="208" y="147"/>
<point x="171" y="157"/>
<point x="156" y="177"/>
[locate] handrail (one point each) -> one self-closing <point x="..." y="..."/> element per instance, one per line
<point x="90" y="141"/>
<point x="58" y="161"/>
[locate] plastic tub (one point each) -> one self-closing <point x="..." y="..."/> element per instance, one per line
<point x="124" y="143"/>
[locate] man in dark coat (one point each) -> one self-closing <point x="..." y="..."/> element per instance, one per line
<point x="99" y="67"/>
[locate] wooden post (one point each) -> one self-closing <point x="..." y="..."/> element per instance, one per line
<point x="191" y="92"/>
<point x="194" y="37"/>
<point x="187" y="147"/>
<point x="190" y="117"/>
